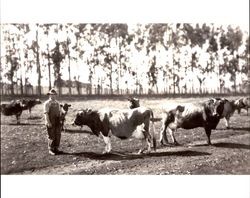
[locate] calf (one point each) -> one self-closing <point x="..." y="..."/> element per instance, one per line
<point x="64" y="111"/>
<point x="13" y="108"/>
<point x="189" y="116"/>
<point x="30" y="103"/>
<point x="120" y="123"/>
<point x="243" y="103"/>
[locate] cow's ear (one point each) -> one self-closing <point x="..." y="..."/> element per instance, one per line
<point x="80" y="112"/>
<point x="61" y="105"/>
<point x="89" y="110"/>
<point x="69" y="105"/>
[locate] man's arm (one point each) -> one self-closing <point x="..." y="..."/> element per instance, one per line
<point x="46" y="114"/>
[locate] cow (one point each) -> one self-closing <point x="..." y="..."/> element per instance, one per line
<point x="64" y="110"/>
<point x="133" y="102"/>
<point x="229" y="108"/>
<point x="188" y="116"/>
<point x="13" y="108"/>
<point x="118" y="122"/>
<point x="30" y="103"/>
<point x="243" y="103"/>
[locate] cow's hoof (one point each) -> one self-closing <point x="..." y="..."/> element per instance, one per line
<point x="177" y="144"/>
<point x="105" y="152"/>
<point x="148" y="151"/>
<point x="141" y="151"/>
<point x="164" y="144"/>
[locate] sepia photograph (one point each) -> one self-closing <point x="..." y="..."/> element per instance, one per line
<point x="125" y="97"/>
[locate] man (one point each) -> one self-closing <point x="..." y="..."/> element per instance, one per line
<point x="52" y="122"/>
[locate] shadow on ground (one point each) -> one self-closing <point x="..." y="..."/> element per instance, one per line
<point x="124" y="156"/>
<point x="235" y="128"/>
<point x="21" y="124"/>
<point x="34" y="118"/>
<point x="232" y="145"/>
<point x="77" y="131"/>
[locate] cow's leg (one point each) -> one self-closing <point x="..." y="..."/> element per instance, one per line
<point x="208" y="133"/>
<point x="17" y="119"/>
<point x="108" y="144"/>
<point x="147" y="147"/>
<point x="143" y="146"/>
<point x="148" y="141"/>
<point x="30" y="112"/>
<point x="172" y="136"/>
<point x="147" y="137"/>
<point x="163" y="135"/>
<point x="62" y="126"/>
<point x="239" y="110"/>
<point x="147" y="134"/>
<point x="227" y="122"/>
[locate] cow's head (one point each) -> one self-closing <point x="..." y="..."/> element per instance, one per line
<point x="83" y="117"/>
<point x="38" y="101"/>
<point x="65" y="107"/>
<point x="214" y="107"/>
<point x="20" y="103"/>
<point x="134" y="102"/>
<point x="239" y="103"/>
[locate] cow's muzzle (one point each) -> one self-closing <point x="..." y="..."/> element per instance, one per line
<point x="216" y="115"/>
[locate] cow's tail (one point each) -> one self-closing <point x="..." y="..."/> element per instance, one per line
<point x="153" y="128"/>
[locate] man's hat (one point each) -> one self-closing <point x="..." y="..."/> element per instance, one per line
<point x="52" y="92"/>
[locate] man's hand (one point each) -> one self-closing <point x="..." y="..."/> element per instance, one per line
<point x="47" y="121"/>
<point x="48" y="124"/>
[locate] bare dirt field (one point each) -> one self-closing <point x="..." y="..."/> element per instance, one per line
<point x="24" y="146"/>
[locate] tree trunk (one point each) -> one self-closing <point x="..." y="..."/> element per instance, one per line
<point x="21" y="76"/>
<point x="12" y="86"/>
<point x="38" y="65"/>
<point x="49" y="67"/>
<point x="111" y="80"/>
<point x="235" y="88"/>
<point x="69" y="85"/>
<point x="21" y="84"/>
<point x="192" y="70"/>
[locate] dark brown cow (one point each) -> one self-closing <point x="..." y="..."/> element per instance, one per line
<point x="120" y="123"/>
<point x="13" y="108"/>
<point x="189" y="116"/>
<point x="28" y="104"/>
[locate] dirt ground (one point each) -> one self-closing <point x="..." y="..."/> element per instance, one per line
<point x="24" y="146"/>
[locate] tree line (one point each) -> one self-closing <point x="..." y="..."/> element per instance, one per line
<point x="123" y="58"/>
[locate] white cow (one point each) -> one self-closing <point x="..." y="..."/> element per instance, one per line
<point x="120" y="123"/>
